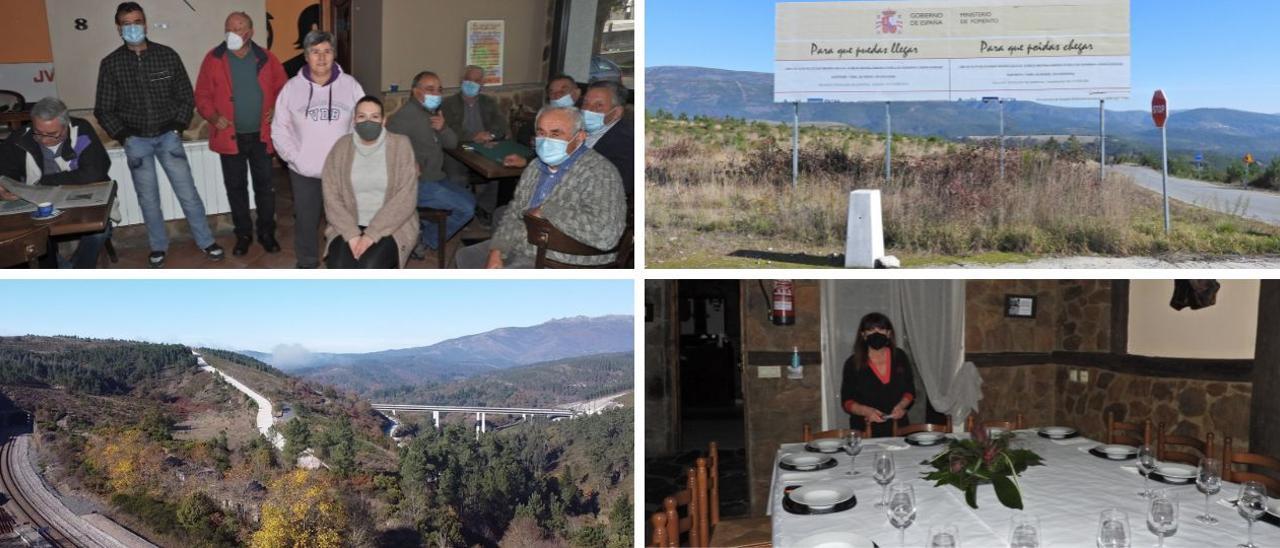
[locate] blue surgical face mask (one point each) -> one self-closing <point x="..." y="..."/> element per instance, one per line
<point x="432" y="102"/>
<point x="565" y="100"/>
<point x="470" y="89"/>
<point x="594" y="121"/>
<point x="133" y="34"/>
<point x="552" y="152"/>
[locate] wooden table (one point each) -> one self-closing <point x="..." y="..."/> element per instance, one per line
<point x="76" y="220"/>
<point x="15" y="119"/>
<point x="507" y="177"/>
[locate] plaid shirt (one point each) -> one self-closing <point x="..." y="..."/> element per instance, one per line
<point x="144" y="95"/>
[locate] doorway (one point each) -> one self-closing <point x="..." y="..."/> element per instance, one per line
<point x="342" y="33"/>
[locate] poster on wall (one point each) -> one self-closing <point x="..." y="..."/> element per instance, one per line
<point x="935" y="50"/>
<point x="484" y="48"/>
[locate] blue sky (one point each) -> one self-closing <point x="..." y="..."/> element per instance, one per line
<point x="324" y="316"/>
<point x="1203" y="54"/>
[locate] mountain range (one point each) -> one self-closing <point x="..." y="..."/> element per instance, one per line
<point x="461" y="357"/>
<point x="749" y="95"/>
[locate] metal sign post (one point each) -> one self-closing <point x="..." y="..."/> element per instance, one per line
<point x="1001" y="101"/>
<point x="888" y="144"/>
<point x="1102" y="140"/>
<point x="795" y="149"/>
<point x="1159" y="114"/>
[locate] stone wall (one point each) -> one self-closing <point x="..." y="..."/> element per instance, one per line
<point x="1032" y="390"/>
<point x="777" y="409"/>
<point x="1070" y="315"/>
<point x="1083" y="315"/>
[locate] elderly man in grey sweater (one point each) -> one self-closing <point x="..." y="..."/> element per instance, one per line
<point x="573" y="187"/>
<point x="422" y="122"/>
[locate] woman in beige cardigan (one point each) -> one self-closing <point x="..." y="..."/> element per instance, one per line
<point x="370" y="184"/>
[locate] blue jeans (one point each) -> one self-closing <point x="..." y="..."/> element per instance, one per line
<point x="87" y="250"/>
<point x="445" y="194"/>
<point x="166" y="149"/>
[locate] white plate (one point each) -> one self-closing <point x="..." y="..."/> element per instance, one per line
<point x="1117" y="452"/>
<point x="822" y="496"/>
<point x="1058" y="432"/>
<point x="837" y="539"/>
<point x="1176" y="471"/>
<point x="827" y="445"/>
<point x="926" y="438"/>
<point x="804" y="462"/>
<point x="995" y="431"/>
<point x="1273" y="507"/>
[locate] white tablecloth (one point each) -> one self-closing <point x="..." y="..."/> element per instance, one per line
<point x="1067" y="493"/>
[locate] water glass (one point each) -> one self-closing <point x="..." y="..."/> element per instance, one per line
<point x="853" y="446"/>
<point x="1251" y="504"/>
<point x="944" y="536"/>
<point x="1024" y="531"/>
<point x="1146" y="463"/>
<point x="1209" y="481"/>
<point x="1113" y="529"/>
<point x="884" y="474"/>
<point x="1162" y="515"/>
<point x="902" y="509"/>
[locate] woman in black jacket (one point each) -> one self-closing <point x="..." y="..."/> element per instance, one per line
<point x="878" y="386"/>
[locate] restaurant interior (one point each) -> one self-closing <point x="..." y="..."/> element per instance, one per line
<point x="1050" y="366"/>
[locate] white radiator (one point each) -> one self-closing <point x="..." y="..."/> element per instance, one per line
<point x="206" y="169"/>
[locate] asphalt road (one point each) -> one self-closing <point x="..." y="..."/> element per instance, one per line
<point x="1253" y="204"/>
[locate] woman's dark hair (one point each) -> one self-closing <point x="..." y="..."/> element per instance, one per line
<point x="870" y="321"/>
<point x="128" y="7"/>
<point x="371" y="99"/>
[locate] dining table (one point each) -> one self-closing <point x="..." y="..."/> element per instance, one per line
<point x="487" y="160"/>
<point x="1067" y="494"/>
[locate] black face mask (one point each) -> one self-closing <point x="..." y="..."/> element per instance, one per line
<point x="877" y="341"/>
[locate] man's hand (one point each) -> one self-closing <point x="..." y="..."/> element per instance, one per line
<point x="482" y="137"/>
<point x="437" y="121"/>
<point x="222" y="122"/>
<point x="535" y="212"/>
<point x="6" y="195"/>
<point x="271" y="115"/>
<point x="514" y="160"/>
<point x="495" y="259"/>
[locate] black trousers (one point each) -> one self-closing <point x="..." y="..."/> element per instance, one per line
<point x="382" y="254"/>
<point x="308" y="204"/>
<point x="236" y="169"/>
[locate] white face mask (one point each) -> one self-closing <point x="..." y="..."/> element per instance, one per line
<point x="234" y="41"/>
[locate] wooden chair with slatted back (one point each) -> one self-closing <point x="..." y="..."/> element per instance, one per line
<point x="1251" y="461"/>
<point x="1127" y="432"/>
<point x="810" y="435"/>
<point x="736" y="532"/>
<point x="691" y="524"/>
<point x="1015" y="424"/>
<point x="1175" y="448"/>
<point x="658" y="523"/>
<point x="25" y="247"/>
<point x="546" y="237"/>
<point x="922" y="427"/>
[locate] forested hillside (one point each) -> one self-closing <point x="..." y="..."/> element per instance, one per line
<point x="98" y="367"/>
<point x="538" y="385"/>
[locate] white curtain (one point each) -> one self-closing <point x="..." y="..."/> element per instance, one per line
<point x="929" y="319"/>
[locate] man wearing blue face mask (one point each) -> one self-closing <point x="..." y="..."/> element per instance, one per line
<point x="609" y="132"/>
<point x="474" y="117"/>
<point x="574" y="188"/>
<point x="563" y="91"/>
<point x="423" y="123"/>
<point x="144" y="100"/>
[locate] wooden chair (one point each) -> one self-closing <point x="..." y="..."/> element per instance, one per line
<point x="12" y="101"/>
<point x="922" y="427"/>
<point x="546" y="237"/>
<point x="692" y="524"/>
<point x="1164" y="452"/>
<point x="736" y="532"/>
<point x="1229" y="473"/>
<point x="810" y="435"/>
<point x="24" y="247"/>
<point x="1015" y="424"/>
<point x="658" y="525"/>
<point x="437" y="216"/>
<point x="1127" y="432"/>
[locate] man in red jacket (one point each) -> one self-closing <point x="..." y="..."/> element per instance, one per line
<point x="236" y="92"/>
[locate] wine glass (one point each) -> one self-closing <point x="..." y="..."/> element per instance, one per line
<point x="1162" y="515"/>
<point x="1146" y="462"/>
<point x="1251" y="504"/>
<point x="1024" y="531"/>
<point x="902" y="509"/>
<point x="1209" y="481"/>
<point x="944" y="536"/>
<point x="884" y="474"/>
<point x="1113" y="529"/>
<point x="853" y="446"/>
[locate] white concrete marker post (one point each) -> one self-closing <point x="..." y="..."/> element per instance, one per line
<point x="864" y="235"/>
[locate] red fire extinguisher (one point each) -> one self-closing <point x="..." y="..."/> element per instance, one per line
<point x="783" y="311"/>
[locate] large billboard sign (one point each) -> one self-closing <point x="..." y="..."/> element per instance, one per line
<point x="939" y="50"/>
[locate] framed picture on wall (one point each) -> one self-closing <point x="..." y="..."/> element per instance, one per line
<point x="1019" y="306"/>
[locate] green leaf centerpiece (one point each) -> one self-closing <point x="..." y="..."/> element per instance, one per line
<point x="982" y="458"/>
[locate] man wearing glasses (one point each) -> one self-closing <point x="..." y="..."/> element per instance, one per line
<point x="59" y="150"/>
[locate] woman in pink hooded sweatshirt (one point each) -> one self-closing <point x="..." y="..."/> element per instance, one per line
<point x="313" y="111"/>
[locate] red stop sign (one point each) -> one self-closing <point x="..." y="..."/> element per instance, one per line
<point x="1159" y="108"/>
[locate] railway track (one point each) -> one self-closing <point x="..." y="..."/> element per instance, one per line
<point x="50" y="532"/>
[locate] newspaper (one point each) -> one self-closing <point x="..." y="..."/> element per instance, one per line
<point x="61" y="196"/>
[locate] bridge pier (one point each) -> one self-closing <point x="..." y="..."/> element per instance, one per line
<point x="435" y="415"/>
